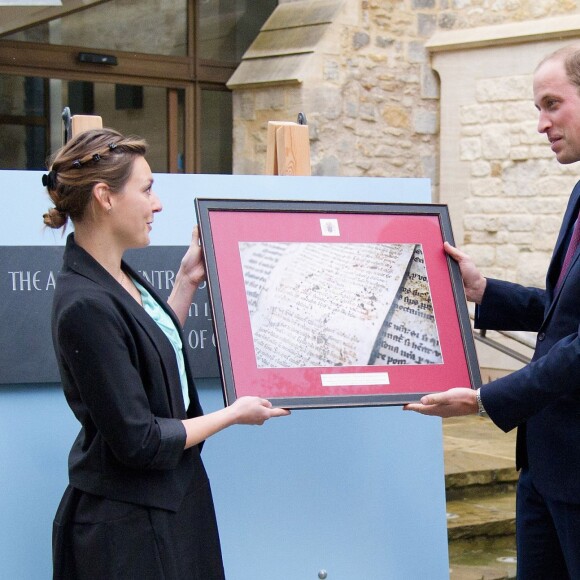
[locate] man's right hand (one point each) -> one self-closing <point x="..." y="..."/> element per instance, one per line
<point x="473" y="281"/>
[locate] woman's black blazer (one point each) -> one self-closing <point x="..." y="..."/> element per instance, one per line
<point x="119" y="375"/>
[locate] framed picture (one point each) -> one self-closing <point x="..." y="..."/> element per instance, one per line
<point x="329" y="304"/>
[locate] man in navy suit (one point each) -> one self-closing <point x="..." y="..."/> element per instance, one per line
<point x="542" y="399"/>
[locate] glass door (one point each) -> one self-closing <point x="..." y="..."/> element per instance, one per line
<point x="31" y="118"/>
<point x="154" y="68"/>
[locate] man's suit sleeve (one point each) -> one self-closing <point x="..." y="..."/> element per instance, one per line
<point x="509" y="306"/>
<point x="96" y="349"/>
<point x="511" y="400"/>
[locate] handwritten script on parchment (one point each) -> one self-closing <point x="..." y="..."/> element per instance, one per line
<point x="338" y="304"/>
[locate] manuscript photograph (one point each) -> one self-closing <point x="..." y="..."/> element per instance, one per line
<point x="335" y="304"/>
<point x="324" y="305"/>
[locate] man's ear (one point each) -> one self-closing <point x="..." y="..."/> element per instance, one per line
<point x="102" y="197"/>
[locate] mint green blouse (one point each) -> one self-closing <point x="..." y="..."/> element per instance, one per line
<point x="165" y="323"/>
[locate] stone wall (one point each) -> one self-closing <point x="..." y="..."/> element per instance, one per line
<point x="373" y="103"/>
<point x="517" y="191"/>
<point x="370" y="95"/>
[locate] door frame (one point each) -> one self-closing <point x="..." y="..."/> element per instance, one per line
<point x="173" y="73"/>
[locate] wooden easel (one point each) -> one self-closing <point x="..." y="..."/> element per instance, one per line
<point x="288" y="148"/>
<point x="75" y="124"/>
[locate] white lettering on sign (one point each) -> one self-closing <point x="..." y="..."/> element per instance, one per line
<point x="32" y="281"/>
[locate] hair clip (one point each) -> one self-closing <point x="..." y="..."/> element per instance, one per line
<point x="112" y="146"/>
<point x="49" y="179"/>
<point x="77" y="164"/>
<point x="96" y="157"/>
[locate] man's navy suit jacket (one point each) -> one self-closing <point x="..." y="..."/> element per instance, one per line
<point x="543" y="398"/>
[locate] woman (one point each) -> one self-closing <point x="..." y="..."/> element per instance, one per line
<point x="139" y="503"/>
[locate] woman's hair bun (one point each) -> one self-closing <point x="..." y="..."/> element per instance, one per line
<point x="54" y="218"/>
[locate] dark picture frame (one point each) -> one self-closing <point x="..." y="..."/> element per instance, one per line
<point x="335" y="304"/>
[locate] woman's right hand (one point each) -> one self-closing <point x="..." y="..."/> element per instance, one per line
<point x="255" y="411"/>
<point x="244" y="411"/>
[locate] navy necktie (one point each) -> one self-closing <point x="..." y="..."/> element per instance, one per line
<point x="572" y="246"/>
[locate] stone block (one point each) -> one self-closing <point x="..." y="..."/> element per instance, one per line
<point x="523" y="239"/>
<point x="489" y="238"/>
<point x="506" y="256"/>
<point x="532" y="268"/>
<point x="272" y="99"/>
<point x="475" y="205"/>
<point x="477" y="113"/>
<point x="426" y="25"/>
<point x="544" y="244"/>
<point x="328" y="165"/>
<point x="486" y="187"/>
<point x="430" y="168"/>
<point x="331" y="71"/>
<point x="471" y="130"/>
<point x="327" y="102"/>
<point x="497" y="168"/>
<point x="495" y="143"/>
<point x="384" y="42"/>
<point x="547" y="206"/>
<point x="515" y="112"/>
<point x="482" y="255"/>
<point x="470" y="149"/>
<point x="360" y="40"/>
<point x="286" y="41"/>
<point x="302" y="13"/>
<point x="548" y="225"/>
<point x="420" y="4"/>
<point x="528" y="135"/>
<point x="477" y="223"/>
<point x="541" y="152"/>
<point x="364" y="164"/>
<point x="499" y="273"/>
<point x="480" y="168"/>
<point x="429" y="83"/>
<point x="275" y="70"/>
<point x="425" y="122"/>
<point x="517" y="223"/>
<point x="396" y="116"/>
<point x="247" y="103"/>
<point x="368" y="112"/>
<point x="504" y="89"/>
<point x="416" y="52"/>
<point x="447" y="20"/>
<point x="519" y="153"/>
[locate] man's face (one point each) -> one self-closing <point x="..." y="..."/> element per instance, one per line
<point x="558" y="102"/>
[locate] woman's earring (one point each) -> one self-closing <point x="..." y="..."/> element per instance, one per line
<point x="109" y="209"/>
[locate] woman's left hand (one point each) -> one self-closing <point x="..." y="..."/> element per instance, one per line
<point x="190" y="275"/>
<point x="192" y="265"/>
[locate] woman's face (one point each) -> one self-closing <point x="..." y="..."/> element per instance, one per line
<point x="133" y="208"/>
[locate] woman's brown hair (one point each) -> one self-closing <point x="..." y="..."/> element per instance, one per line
<point x="91" y="157"/>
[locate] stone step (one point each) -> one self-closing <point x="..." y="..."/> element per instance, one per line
<point x="481" y="516"/>
<point x="475" y="483"/>
<point x="483" y="559"/>
<point x="480" y="480"/>
<point x="478" y="456"/>
<point x="481" y="536"/>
